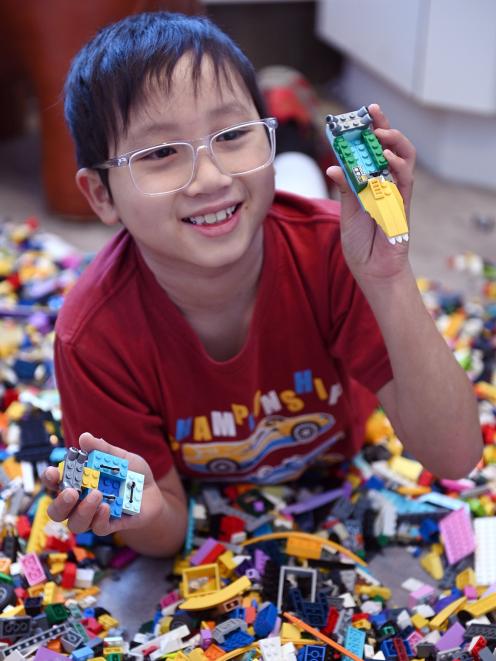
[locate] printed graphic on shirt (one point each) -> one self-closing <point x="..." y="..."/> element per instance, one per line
<point x="304" y="437"/>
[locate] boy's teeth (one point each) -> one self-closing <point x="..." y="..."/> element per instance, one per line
<point x="212" y="218"/>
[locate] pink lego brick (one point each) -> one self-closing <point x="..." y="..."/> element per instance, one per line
<point x="33" y="569"/>
<point x="470" y="592"/>
<point x="170" y="598"/>
<point x="426" y="594"/>
<point x="457" y="535"/>
<point x="413" y="639"/>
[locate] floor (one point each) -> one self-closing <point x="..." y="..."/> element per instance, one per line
<point x="446" y="219"/>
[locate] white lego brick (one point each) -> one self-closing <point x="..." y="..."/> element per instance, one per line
<point x="425" y="610"/>
<point x="289" y="652"/>
<point x="163" y="642"/>
<point x="84" y="578"/>
<point x="485" y="550"/>
<point x="371" y="607"/>
<point x="379" y="656"/>
<point x="348" y="600"/>
<point x="15" y="656"/>
<point x="368" y="651"/>
<point x="27" y="474"/>
<point x="411" y="584"/>
<point x="270" y="648"/>
<point x="432" y="637"/>
<point x="403" y="620"/>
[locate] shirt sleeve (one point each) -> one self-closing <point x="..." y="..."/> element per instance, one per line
<point x="355" y="338"/>
<point x="103" y="398"/>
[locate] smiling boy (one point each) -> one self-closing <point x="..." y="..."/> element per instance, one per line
<point x="224" y="332"/>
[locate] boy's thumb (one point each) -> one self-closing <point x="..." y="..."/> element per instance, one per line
<point x="88" y="442"/>
<point x="349" y="203"/>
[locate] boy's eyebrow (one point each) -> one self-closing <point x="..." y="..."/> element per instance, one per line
<point x="231" y="108"/>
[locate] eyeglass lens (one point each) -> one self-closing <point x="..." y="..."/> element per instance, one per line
<point x="168" y="167"/>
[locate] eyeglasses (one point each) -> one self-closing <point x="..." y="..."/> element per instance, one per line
<point x="171" y="166"/>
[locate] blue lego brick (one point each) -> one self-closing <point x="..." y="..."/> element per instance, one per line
<point x="265" y="620"/>
<point x="112" y="489"/>
<point x="56" y="455"/>
<point x="238" y="613"/>
<point x="85" y="538"/>
<point x="312" y="653"/>
<point x="82" y="654"/>
<point x="235" y="640"/>
<point x="108" y="464"/>
<point x="315" y="612"/>
<point x="354" y="641"/>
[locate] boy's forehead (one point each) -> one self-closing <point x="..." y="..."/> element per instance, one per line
<point x="182" y="99"/>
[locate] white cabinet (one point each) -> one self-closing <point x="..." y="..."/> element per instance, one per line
<point x="442" y="52"/>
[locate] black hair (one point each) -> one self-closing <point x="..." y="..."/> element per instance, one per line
<point x="111" y="71"/>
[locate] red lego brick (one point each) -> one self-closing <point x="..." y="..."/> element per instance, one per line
<point x="69" y="575"/>
<point x="23" y="526"/>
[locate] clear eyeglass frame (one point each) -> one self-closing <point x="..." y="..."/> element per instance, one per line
<point x="206" y="142"/>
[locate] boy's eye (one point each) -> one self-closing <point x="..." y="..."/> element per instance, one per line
<point x="232" y="134"/>
<point x="160" y="153"/>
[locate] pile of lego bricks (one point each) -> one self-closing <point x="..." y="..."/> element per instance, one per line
<point x="255" y="558"/>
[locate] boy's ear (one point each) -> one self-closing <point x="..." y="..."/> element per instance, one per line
<point x="97" y="194"/>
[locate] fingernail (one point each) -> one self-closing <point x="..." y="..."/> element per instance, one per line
<point x="68" y="496"/>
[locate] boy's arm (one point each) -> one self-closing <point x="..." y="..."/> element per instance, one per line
<point x="430" y="401"/>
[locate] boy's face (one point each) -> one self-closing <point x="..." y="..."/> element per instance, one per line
<point x="161" y="224"/>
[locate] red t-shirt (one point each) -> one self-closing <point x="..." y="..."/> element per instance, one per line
<point x="131" y="370"/>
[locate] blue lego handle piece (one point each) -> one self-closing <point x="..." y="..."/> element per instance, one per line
<point x="122" y="488"/>
<point x="362" y="159"/>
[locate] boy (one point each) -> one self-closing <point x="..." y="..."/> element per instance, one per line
<point x="220" y="333"/>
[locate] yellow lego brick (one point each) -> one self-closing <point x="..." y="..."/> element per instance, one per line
<point x="200" y="580"/>
<point x="56" y="557"/>
<point x="290" y="631"/>
<point x="226" y="564"/>
<point x="164" y="624"/>
<point x="97" y="658"/>
<point x="383" y="201"/>
<point x="413" y="491"/>
<point x="432" y="564"/>
<point x="107" y="651"/>
<point x="354" y="480"/>
<point x="437" y="548"/>
<point x="12" y="468"/>
<point x="439" y="619"/>
<point x="15" y="411"/>
<point x="374" y="591"/>
<point x="455" y="323"/>
<point x="108" y="622"/>
<point x="37" y="537"/>
<point x="482" y="606"/>
<point x="419" y="621"/>
<point x="181" y="656"/>
<point x="362" y="624"/>
<point x="303" y="548"/>
<point x="15" y="611"/>
<point x="5" y="565"/>
<point x="405" y="467"/>
<point x="465" y="577"/>
<point x="90" y="478"/>
<point x="36" y="590"/>
<point x="227" y="593"/>
<point x="49" y="593"/>
<point x="57" y="567"/>
<point x="489" y="454"/>
<point x="196" y="654"/>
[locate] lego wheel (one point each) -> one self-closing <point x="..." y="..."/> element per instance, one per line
<point x="305" y="431"/>
<point x="222" y="465"/>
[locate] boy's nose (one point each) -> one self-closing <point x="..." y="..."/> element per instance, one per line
<point x="207" y="176"/>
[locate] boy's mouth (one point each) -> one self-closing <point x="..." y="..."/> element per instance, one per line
<point x="216" y="218"/>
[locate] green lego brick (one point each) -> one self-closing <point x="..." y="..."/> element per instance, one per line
<point x="56" y="613"/>
<point x="375" y="149"/>
<point x="345" y="153"/>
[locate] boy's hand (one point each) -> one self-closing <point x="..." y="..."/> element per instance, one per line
<point x="90" y="513"/>
<point x="367" y="250"/>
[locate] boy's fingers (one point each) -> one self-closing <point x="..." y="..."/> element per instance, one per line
<point x="51" y="477"/>
<point x="60" y="508"/>
<point x="400" y="169"/>
<point x="101" y="525"/>
<point x="349" y="203"/>
<point x="80" y="520"/>
<point x="88" y="442"/>
<point x="378" y="117"/>
<point x="397" y="142"/>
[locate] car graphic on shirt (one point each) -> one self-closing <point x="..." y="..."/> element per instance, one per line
<point x="272" y="434"/>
